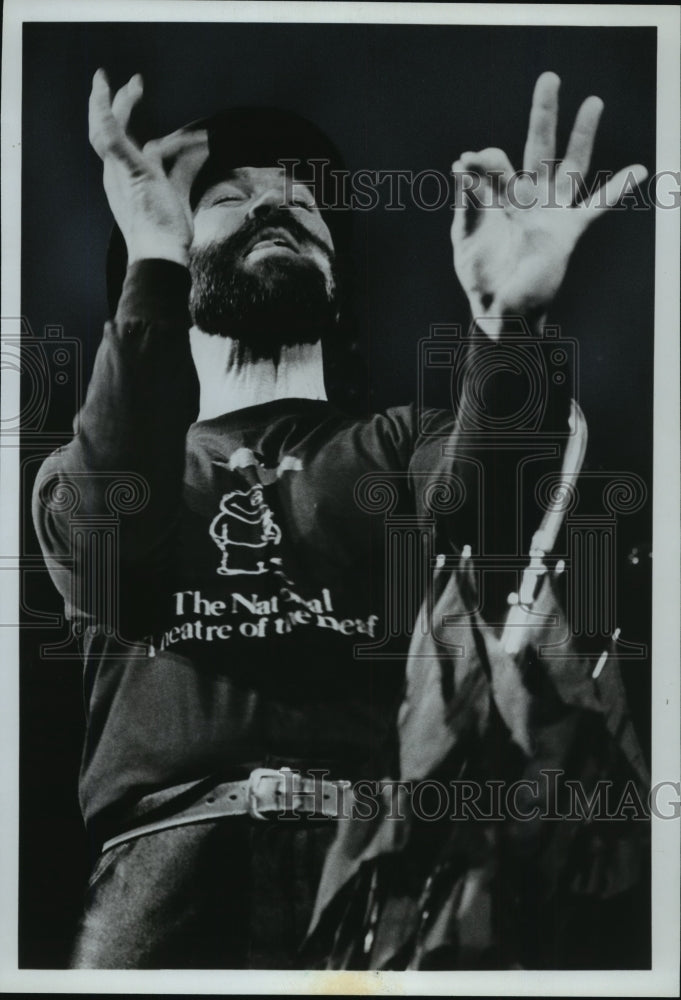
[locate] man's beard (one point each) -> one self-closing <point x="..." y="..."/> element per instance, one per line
<point x="282" y="301"/>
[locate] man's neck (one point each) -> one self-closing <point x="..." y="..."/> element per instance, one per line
<point x="229" y="383"/>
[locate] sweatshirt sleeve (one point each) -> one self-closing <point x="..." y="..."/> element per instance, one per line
<point x="129" y="434"/>
<point x="507" y="426"/>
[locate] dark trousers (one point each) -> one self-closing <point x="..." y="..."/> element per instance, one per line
<point x="233" y="893"/>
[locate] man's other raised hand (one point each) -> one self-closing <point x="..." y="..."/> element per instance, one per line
<point x="514" y="232"/>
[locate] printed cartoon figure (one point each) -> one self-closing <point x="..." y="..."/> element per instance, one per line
<point x="242" y="531"/>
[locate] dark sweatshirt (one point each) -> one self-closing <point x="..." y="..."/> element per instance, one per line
<point x="230" y="577"/>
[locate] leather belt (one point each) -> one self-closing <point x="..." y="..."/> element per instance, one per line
<point x="282" y="791"/>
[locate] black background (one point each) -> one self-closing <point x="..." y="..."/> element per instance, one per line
<point x="391" y="97"/>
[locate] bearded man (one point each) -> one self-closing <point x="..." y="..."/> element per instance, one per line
<point x="226" y="705"/>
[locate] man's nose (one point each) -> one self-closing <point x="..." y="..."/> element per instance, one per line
<point x="267" y="201"/>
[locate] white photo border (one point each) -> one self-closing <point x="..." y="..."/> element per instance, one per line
<point x="663" y="978"/>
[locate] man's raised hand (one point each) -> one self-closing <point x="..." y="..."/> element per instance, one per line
<point x="151" y="212"/>
<point x="513" y="233"/>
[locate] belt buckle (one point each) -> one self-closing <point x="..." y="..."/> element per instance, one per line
<point x="254" y="779"/>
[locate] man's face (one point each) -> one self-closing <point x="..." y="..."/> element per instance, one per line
<point x="262" y="262"/>
<point x="278" y="217"/>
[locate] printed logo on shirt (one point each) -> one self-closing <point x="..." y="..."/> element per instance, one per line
<point x="245" y="530"/>
<point x="251" y="544"/>
<point x="242" y="531"/>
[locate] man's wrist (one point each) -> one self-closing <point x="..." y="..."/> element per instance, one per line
<point x="507" y="321"/>
<point x="156" y="247"/>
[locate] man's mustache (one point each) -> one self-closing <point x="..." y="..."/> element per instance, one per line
<point x="277" y="218"/>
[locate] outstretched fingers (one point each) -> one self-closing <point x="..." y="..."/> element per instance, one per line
<point x="541" y="134"/>
<point x="126" y="99"/>
<point x="581" y="142"/>
<point x="108" y="119"/>
<point x="99" y="112"/>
